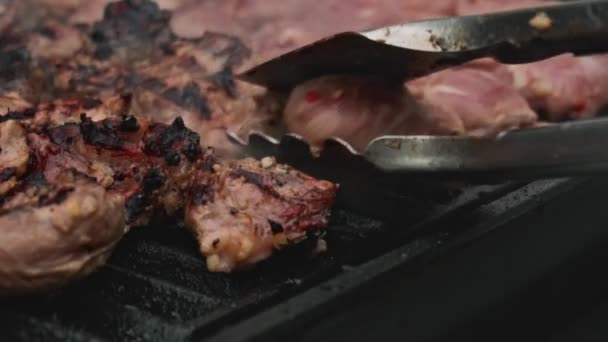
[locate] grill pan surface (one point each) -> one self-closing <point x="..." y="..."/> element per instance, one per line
<point x="155" y="286"/>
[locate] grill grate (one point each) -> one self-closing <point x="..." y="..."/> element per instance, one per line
<point x="155" y="287"/>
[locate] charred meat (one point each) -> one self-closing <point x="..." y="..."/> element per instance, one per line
<point x="55" y="232"/>
<point x="243" y="210"/>
<point x="126" y="170"/>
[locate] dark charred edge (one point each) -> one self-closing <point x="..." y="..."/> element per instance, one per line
<point x="138" y="203"/>
<point x="13" y="62"/>
<point x="189" y="97"/>
<point x="170" y="140"/>
<point x="129" y="123"/>
<point x="250" y="177"/>
<point x="56" y="197"/>
<point x="7" y="174"/>
<point x="103" y="135"/>
<point x="65" y="134"/>
<point x="313" y="235"/>
<point x="128" y="21"/>
<point x="18" y="115"/>
<point x="90" y="103"/>
<point x="201" y="194"/>
<point x="47" y="32"/>
<point x="208" y="162"/>
<point x="151" y="84"/>
<point x="225" y="81"/>
<point x="236" y="51"/>
<point x="35" y="179"/>
<point x="275" y="227"/>
<point x="256" y="179"/>
<point x="40" y="189"/>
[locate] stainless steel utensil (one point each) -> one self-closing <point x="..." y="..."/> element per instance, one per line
<point x="417" y="48"/>
<point x="560" y="150"/>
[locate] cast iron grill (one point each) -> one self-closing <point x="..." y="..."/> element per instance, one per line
<point x="156" y="287"/>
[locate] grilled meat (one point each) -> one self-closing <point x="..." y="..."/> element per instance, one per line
<point x="133" y="51"/>
<point x="14" y="154"/>
<point x="55" y="232"/>
<point x="141" y="169"/>
<point x="243" y="210"/>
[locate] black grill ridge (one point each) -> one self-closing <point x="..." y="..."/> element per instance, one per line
<point x="156" y="287"/>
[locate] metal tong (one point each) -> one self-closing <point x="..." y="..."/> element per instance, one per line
<point x="414" y="49"/>
<point x="560" y="150"/>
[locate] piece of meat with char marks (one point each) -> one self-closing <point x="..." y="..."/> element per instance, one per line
<point x="159" y="169"/>
<point x="148" y="164"/>
<point x="55" y="233"/>
<point x="132" y="50"/>
<point x="243" y="211"/>
<point x="359" y="109"/>
<point x="14" y="154"/>
<point x="86" y="12"/>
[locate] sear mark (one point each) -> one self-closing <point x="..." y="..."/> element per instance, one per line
<point x="250" y="177"/>
<point x="128" y="124"/>
<point x="133" y="27"/>
<point x="55" y="198"/>
<point x="189" y="97"/>
<point x="166" y="141"/>
<point x="225" y="81"/>
<point x="276" y="227"/>
<point x="64" y="135"/>
<point x="202" y="194"/>
<point x="7" y="173"/>
<point x="89" y="103"/>
<point x="18" y="115"/>
<point x="103" y="135"/>
<point x="139" y="201"/>
<point x="13" y="63"/>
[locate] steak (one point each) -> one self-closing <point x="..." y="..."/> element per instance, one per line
<point x="132" y="51"/>
<point x="125" y="170"/>
<point x="56" y="232"/>
<point x="244" y="210"/>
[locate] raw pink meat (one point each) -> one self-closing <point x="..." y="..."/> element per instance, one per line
<point x="479" y="93"/>
<point x="564" y="87"/>
<point x="359" y="110"/>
